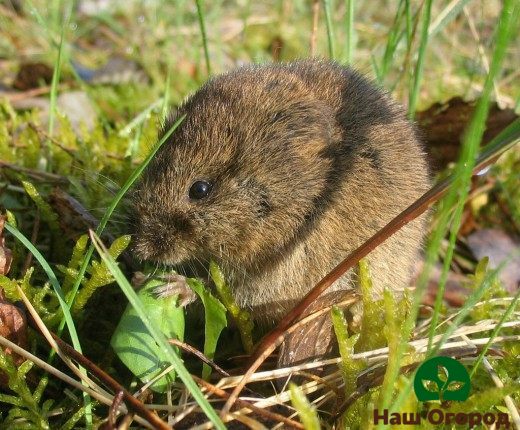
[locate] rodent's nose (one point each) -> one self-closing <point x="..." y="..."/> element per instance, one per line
<point x="178" y="222"/>
<point x="157" y="235"/>
<point x="152" y="245"/>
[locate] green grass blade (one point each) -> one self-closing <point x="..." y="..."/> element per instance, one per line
<point x="469" y="304"/>
<point x="200" y="14"/>
<point x="419" y="66"/>
<point x="108" y="213"/>
<point x="327" y="6"/>
<point x="349" y="55"/>
<point x="52" y="279"/>
<point x="392" y="41"/>
<point x="54" y="83"/>
<point x="141" y="118"/>
<point x="508" y="137"/>
<point x="494" y="334"/>
<point x="166" y="98"/>
<point x="409" y="23"/>
<point x="158" y="336"/>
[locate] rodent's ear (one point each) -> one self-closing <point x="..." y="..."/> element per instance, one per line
<point x="311" y="128"/>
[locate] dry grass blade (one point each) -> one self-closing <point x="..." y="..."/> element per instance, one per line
<point x="54" y="345"/>
<point x="199" y="355"/>
<point x="135" y="404"/>
<point x="249" y="407"/>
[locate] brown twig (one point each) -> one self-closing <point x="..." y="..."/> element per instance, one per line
<point x="242" y="403"/>
<point x="133" y="403"/>
<point x="272" y="339"/>
<point x="35" y="173"/>
<point x="46" y="136"/>
<point x="198" y="354"/>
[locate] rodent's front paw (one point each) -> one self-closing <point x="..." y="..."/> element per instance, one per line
<point x="175" y="284"/>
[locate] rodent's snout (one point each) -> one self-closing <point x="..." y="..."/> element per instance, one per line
<point x="162" y="237"/>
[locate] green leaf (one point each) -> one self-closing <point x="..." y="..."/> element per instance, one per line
<point x="134" y="344"/>
<point x="214" y="320"/>
<point x="158" y="336"/>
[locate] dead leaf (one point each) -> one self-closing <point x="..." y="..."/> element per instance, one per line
<point x="13" y="326"/>
<point x="314" y="339"/>
<point x="32" y="75"/>
<point x="6" y="256"/>
<point x="455" y="293"/>
<point x="499" y="247"/>
<point x="444" y="123"/>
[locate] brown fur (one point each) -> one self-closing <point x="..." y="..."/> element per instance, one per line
<point x="308" y="160"/>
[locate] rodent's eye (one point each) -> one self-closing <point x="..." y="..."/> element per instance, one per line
<point x="199" y="190"/>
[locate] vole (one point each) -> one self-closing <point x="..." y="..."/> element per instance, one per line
<point x="278" y="172"/>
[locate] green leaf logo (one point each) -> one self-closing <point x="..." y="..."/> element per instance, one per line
<point x="442" y="378"/>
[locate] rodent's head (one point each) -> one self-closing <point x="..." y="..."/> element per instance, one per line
<point x="240" y="176"/>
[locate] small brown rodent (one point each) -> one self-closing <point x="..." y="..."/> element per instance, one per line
<point x="278" y="172"/>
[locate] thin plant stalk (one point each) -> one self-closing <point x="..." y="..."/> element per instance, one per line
<point x="449" y="13"/>
<point x="391" y="44"/>
<point x="330" y="28"/>
<point x="409" y="22"/>
<point x="349" y="55"/>
<point x="54" y="83"/>
<point x="166" y="98"/>
<point x="494" y="334"/>
<point x="54" y="86"/>
<point x="419" y="66"/>
<point x="200" y="14"/>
